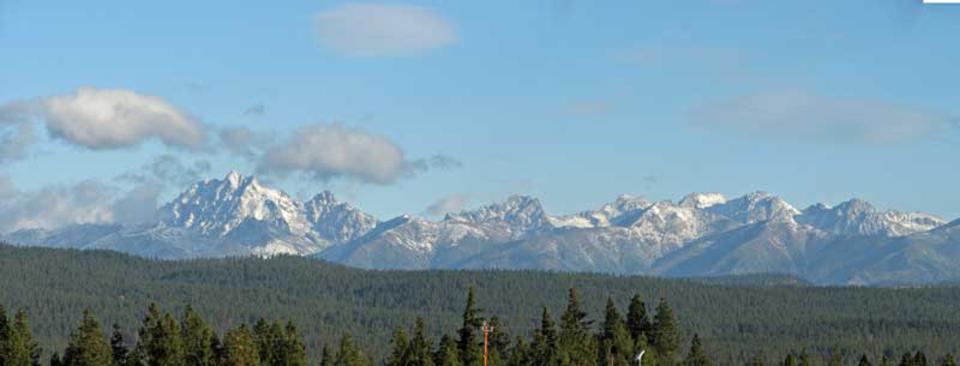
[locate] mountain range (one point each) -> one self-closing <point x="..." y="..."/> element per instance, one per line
<point x="703" y="234"/>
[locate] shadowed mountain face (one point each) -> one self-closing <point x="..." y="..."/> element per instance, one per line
<point x="704" y="234"/>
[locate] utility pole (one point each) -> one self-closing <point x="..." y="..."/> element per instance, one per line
<point x="486" y="331"/>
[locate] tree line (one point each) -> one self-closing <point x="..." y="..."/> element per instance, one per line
<point x="574" y="340"/>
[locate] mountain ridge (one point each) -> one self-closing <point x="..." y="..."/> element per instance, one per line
<point x="702" y="234"/>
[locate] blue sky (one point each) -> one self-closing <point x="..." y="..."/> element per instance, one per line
<point x="573" y="102"/>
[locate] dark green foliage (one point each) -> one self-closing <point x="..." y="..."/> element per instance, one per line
<point x="398" y="357"/>
<point x="118" y="348"/>
<point x="88" y="347"/>
<point x="949" y="360"/>
<point x="199" y="340"/>
<point x="325" y="300"/>
<point x="637" y="320"/>
<point x="350" y="354"/>
<point x="666" y="335"/>
<point x="789" y="361"/>
<point x="17" y="347"/>
<point x="447" y="353"/>
<point x="469" y="344"/>
<point x="575" y="346"/>
<point x="698" y="357"/>
<point x="544" y="347"/>
<point x="240" y="348"/>
<point x="326" y="357"/>
<point x="757" y="360"/>
<point x="864" y="361"/>
<point x="616" y="345"/>
<point x="420" y="349"/>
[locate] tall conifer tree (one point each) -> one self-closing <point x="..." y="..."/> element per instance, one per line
<point x="88" y="347"/>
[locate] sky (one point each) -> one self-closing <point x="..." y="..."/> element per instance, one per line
<point x="110" y="108"/>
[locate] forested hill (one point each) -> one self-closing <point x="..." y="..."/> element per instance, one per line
<point x="324" y="300"/>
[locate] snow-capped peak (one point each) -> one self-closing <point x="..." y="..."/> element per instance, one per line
<point x="703" y="200"/>
<point x="216" y="207"/>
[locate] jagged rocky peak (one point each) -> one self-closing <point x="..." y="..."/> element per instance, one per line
<point x="337" y="221"/>
<point x="756" y="207"/>
<point x="519" y="211"/>
<point x="216" y="206"/>
<point x="859" y="217"/>
<point x="703" y="200"/>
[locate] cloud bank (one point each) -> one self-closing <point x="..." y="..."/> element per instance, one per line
<point x="805" y="117"/>
<point x="111" y="119"/>
<point x="332" y="151"/>
<point x="373" y="30"/>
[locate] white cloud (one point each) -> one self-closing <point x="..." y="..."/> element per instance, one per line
<point x="87" y="202"/>
<point x="445" y="205"/>
<point x="111" y="119"/>
<point x="333" y="151"/>
<point x="806" y="117"/>
<point x="371" y="30"/>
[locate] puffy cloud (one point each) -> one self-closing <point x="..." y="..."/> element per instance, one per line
<point x="371" y="30"/>
<point x="110" y="119"/>
<point x="806" y="117"/>
<point x="453" y="203"/>
<point x="86" y="202"/>
<point x="333" y="151"/>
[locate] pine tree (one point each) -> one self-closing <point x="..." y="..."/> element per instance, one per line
<point x="836" y="359"/>
<point x="864" y="361"/>
<point x="805" y="358"/>
<point x="4" y="336"/>
<point x="520" y="353"/>
<point x="420" y="346"/>
<point x="87" y="346"/>
<point x="56" y="360"/>
<point x="198" y="340"/>
<point x="885" y="361"/>
<point x="118" y="348"/>
<point x="616" y="346"/>
<point x="270" y="342"/>
<point x="295" y="352"/>
<point x="906" y="359"/>
<point x="240" y="348"/>
<point x="757" y="359"/>
<point x="790" y="360"/>
<point x="398" y="356"/>
<point x="948" y="360"/>
<point x="447" y="353"/>
<point x="20" y="349"/>
<point x="544" y="347"/>
<point x="498" y="343"/>
<point x="637" y="321"/>
<point x="349" y="354"/>
<point x="920" y="359"/>
<point x="575" y="346"/>
<point x="326" y="357"/>
<point x="469" y="344"/>
<point x="666" y="335"/>
<point x="160" y="343"/>
<point x="697" y="356"/>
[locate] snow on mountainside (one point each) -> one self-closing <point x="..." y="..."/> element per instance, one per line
<point x="702" y="234"/>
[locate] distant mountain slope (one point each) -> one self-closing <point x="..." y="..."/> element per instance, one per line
<point x="703" y="234"/>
